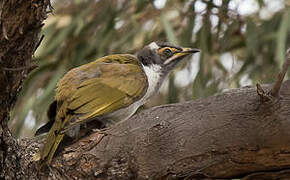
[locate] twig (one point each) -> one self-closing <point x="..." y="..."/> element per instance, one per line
<point x="39" y="42"/>
<point x="276" y="88"/>
<point x="50" y="8"/>
<point x="263" y="95"/>
<point x="274" y="92"/>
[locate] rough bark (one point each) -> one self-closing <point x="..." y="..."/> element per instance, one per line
<point x="20" y="24"/>
<point x="231" y="135"/>
<point x="238" y="134"/>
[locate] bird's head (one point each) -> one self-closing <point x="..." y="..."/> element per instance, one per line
<point x="164" y="55"/>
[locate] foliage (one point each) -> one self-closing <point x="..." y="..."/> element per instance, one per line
<point x="237" y="49"/>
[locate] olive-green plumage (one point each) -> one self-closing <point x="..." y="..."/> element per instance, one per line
<point x="108" y="90"/>
<point x="94" y="90"/>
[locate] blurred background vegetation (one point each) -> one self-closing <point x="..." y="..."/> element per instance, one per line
<point x="242" y="42"/>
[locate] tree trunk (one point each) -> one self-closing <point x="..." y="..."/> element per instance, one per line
<point x="21" y="22"/>
<point x="238" y="134"/>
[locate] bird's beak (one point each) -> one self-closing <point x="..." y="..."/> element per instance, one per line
<point x="184" y="52"/>
<point x="187" y="51"/>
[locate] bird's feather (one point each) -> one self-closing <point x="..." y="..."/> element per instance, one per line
<point x="95" y="89"/>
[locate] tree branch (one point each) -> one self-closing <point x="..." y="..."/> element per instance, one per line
<point x="224" y="136"/>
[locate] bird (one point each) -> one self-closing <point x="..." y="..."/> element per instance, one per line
<point x="108" y="90"/>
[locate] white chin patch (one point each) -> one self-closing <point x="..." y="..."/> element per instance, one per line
<point x="153" y="46"/>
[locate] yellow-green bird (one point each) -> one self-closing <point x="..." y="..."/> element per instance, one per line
<point x="108" y="90"/>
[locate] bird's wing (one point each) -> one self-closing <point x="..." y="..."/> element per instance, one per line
<point x="101" y="87"/>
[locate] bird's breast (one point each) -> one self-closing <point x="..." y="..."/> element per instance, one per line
<point x="154" y="79"/>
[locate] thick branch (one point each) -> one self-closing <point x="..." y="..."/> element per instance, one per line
<point x="224" y="136"/>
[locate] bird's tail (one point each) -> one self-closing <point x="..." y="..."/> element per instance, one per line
<point x="53" y="140"/>
<point x="54" y="147"/>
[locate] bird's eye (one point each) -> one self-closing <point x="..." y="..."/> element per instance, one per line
<point x="167" y="52"/>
